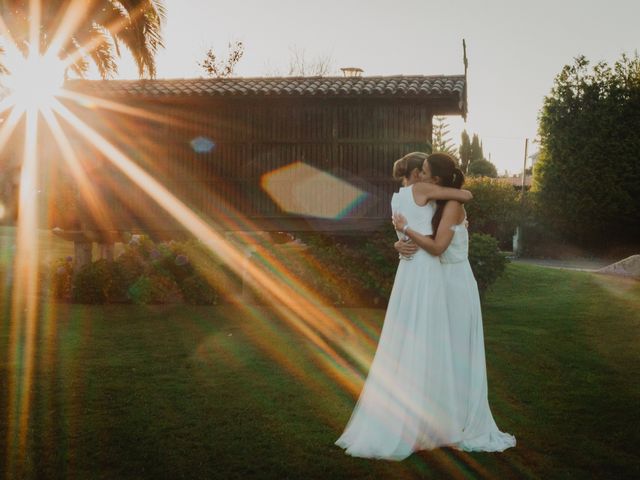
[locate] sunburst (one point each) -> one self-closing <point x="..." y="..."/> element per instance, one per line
<point x="34" y="81"/>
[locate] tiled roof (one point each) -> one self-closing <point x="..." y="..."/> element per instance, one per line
<point x="393" y="86"/>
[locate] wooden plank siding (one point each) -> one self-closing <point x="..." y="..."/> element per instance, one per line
<point x="354" y="140"/>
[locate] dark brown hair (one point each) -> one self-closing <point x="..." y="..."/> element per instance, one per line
<point x="443" y="166"/>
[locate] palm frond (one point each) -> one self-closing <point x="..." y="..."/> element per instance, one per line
<point x="102" y="55"/>
<point x="98" y="33"/>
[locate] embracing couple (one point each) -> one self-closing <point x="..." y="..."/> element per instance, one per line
<point x="427" y="385"/>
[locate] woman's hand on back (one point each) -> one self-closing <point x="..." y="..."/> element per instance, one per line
<point x="399" y="221"/>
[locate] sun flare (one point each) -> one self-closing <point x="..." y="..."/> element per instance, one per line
<point x="34" y="81"/>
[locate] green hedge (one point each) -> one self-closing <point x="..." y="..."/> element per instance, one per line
<point x="495" y="209"/>
<point x="588" y="173"/>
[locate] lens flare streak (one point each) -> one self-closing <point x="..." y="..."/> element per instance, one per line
<point x="25" y="289"/>
<point x="87" y="191"/>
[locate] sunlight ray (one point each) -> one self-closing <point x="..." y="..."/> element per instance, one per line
<point x="6" y="103"/>
<point x="35" y="14"/>
<point x="72" y="18"/>
<point x="9" y="126"/>
<point x="91" y="102"/>
<point x="24" y="295"/>
<point x="85" y="186"/>
<point x="6" y="33"/>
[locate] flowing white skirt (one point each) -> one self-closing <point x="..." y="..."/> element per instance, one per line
<point x="408" y="401"/>
<point x="480" y="432"/>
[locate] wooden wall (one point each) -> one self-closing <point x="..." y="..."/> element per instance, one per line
<point x="352" y="139"/>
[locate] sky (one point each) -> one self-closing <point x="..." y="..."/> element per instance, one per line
<point x="515" y="48"/>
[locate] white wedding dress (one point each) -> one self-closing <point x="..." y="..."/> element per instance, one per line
<point x="408" y="401"/>
<point x="480" y="432"/>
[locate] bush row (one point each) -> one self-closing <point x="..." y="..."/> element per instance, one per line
<point x="343" y="271"/>
<point x="144" y="273"/>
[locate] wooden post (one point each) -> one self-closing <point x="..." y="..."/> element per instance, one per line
<point x="83" y="247"/>
<point x="106" y="251"/>
<point x="82" y="254"/>
<point x="519" y="231"/>
<point x="524" y="166"/>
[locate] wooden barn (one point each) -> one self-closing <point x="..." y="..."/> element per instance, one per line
<point x="271" y="154"/>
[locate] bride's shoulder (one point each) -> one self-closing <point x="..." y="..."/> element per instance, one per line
<point x="424" y="186"/>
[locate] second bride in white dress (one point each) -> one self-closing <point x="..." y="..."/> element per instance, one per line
<point x="408" y="401"/>
<point x="480" y="432"/>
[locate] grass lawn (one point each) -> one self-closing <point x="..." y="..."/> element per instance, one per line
<point x="223" y="392"/>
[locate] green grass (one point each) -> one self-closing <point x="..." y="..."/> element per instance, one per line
<point x="220" y="392"/>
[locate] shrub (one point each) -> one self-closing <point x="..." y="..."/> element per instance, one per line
<point x="375" y="262"/>
<point x="352" y="270"/>
<point x="154" y="288"/>
<point x="146" y="272"/>
<point x="539" y="238"/>
<point x="324" y="269"/>
<point x="102" y="281"/>
<point x="197" y="291"/>
<point x="170" y="260"/>
<point x="487" y="262"/>
<point x="494" y="210"/>
<point x="131" y="263"/>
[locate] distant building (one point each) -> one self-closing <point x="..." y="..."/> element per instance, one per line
<point x="534" y="158"/>
<point x="516" y="181"/>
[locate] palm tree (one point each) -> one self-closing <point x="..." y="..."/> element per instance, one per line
<point x="85" y="31"/>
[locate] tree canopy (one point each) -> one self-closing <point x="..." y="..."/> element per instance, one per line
<point x="464" y="151"/>
<point x="482" y="168"/>
<point x="222" y="68"/>
<point x="441" y="142"/>
<point x="588" y="172"/>
<point x="477" y="165"/>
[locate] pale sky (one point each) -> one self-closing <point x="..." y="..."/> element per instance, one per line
<point x="515" y="48"/>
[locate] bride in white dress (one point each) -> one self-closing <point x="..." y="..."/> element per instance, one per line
<point x="408" y="401"/>
<point x="480" y="432"/>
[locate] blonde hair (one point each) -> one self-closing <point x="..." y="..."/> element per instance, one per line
<point x="403" y="167"/>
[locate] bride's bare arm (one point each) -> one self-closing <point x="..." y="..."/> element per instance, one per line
<point x="444" y="235"/>
<point x="431" y="191"/>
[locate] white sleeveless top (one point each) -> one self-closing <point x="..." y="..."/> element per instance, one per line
<point x="418" y="216"/>
<point x="458" y="249"/>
